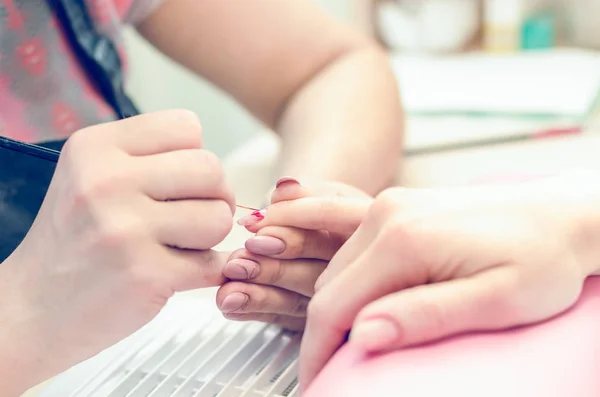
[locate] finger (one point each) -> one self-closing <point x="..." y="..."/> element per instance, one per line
<point x="393" y="201"/>
<point x="288" y="188"/>
<point x="157" y="132"/>
<point x="335" y="306"/>
<point x="192" y="224"/>
<point x="238" y="297"/>
<point x="430" y="312"/>
<point x="297" y="275"/>
<point x="334" y="214"/>
<point x="185" y="174"/>
<point x="348" y="253"/>
<point x="195" y="269"/>
<point x="286" y="322"/>
<point x="293" y="243"/>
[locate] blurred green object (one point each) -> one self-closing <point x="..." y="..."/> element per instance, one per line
<point x="539" y="31"/>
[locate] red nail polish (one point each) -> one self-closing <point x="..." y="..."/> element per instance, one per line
<point x="286" y="179"/>
<point x="253" y="218"/>
<point x="258" y="215"/>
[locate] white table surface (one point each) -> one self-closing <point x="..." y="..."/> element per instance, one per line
<point x="249" y="173"/>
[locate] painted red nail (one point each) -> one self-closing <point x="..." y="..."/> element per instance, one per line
<point x="258" y="215"/>
<point x="286" y="179"/>
<point x="251" y="219"/>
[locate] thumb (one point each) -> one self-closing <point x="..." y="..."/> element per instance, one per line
<point x="197" y="269"/>
<point x="428" y="313"/>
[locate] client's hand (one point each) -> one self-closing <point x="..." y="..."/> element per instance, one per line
<point x="296" y="236"/>
<point x="129" y="219"/>
<point x="426" y="264"/>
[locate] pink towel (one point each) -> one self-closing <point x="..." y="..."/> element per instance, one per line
<point x="557" y="358"/>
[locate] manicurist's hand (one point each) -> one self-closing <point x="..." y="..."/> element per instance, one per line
<point x="129" y="219"/>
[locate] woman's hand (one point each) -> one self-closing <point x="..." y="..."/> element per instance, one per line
<point x="129" y="218"/>
<point x="273" y="278"/>
<point x="426" y="264"/>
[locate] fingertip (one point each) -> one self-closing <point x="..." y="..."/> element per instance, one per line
<point x="288" y="188"/>
<point x="253" y="229"/>
<point x="252" y="219"/>
<point x="286" y="180"/>
<point x="265" y="245"/>
<point x="241" y="269"/>
<point x="234" y="302"/>
<point x="376" y="334"/>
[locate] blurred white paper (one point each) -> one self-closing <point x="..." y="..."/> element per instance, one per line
<point x="563" y="83"/>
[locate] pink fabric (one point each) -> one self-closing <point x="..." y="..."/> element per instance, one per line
<point x="44" y="93"/>
<point x="558" y="358"/>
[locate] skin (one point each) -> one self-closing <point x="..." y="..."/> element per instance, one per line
<point x="120" y="231"/>
<point x="426" y="264"/>
<point x="99" y="222"/>
<point x="276" y="288"/>
<point x="327" y="90"/>
<point x="117" y="223"/>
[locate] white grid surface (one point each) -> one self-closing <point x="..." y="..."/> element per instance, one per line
<point x="190" y="350"/>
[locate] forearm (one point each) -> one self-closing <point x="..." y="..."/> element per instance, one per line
<point x="346" y="124"/>
<point x="328" y="90"/>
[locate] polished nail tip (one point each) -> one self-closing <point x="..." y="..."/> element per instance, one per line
<point x="234" y="302"/>
<point x="258" y="215"/>
<point x="241" y="269"/>
<point x="286" y="179"/>
<point x="265" y="245"/>
<point x="243" y="221"/>
<point x="234" y="271"/>
<point x="252" y="219"/>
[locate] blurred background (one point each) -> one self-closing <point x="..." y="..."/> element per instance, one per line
<point x="470" y="70"/>
<point x="227" y="124"/>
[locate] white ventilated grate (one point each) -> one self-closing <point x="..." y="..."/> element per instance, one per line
<point x="190" y="350"/>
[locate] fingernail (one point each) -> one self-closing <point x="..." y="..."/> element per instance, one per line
<point x="241" y="269"/>
<point x="234" y="302"/>
<point x="265" y="245"/>
<point x="375" y="334"/>
<point x="252" y="219"/>
<point x="286" y="180"/>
